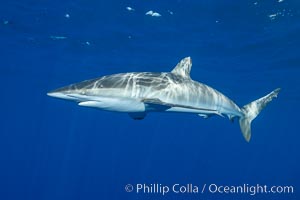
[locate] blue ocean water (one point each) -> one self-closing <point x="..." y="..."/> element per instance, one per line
<point x="53" y="149"/>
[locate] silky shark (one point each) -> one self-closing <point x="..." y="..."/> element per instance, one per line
<point x="140" y="93"/>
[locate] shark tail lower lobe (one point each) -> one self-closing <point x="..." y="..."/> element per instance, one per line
<point x="251" y="111"/>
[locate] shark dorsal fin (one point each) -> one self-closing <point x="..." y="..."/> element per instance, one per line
<point x="183" y="68"/>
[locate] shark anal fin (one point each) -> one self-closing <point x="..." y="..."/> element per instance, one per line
<point x="231" y="118"/>
<point x="137" y="115"/>
<point x="205" y="116"/>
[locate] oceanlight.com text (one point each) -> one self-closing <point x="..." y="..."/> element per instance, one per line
<point x="250" y="189"/>
<point x="164" y="189"/>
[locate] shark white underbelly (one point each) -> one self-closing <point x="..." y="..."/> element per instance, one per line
<point x="145" y="92"/>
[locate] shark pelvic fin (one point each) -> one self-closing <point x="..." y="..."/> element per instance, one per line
<point x="137" y="115"/>
<point x="183" y="68"/>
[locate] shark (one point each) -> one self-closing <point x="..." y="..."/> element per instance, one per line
<point x="141" y="93"/>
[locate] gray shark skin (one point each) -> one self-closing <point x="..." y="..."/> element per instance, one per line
<point x="140" y="93"/>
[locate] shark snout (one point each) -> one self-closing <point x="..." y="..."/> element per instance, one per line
<point x="68" y="93"/>
<point x="56" y="94"/>
<point x="62" y="93"/>
<point x="66" y="96"/>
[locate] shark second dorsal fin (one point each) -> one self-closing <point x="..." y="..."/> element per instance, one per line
<point x="183" y="68"/>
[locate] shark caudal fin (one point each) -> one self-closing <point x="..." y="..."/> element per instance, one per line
<point x="251" y="110"/>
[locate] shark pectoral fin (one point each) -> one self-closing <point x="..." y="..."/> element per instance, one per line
<point x="137" y="115"/>
<point x="89" y="103"/>
<point x="156" y="105"/>
<point x="115" y="104"/>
